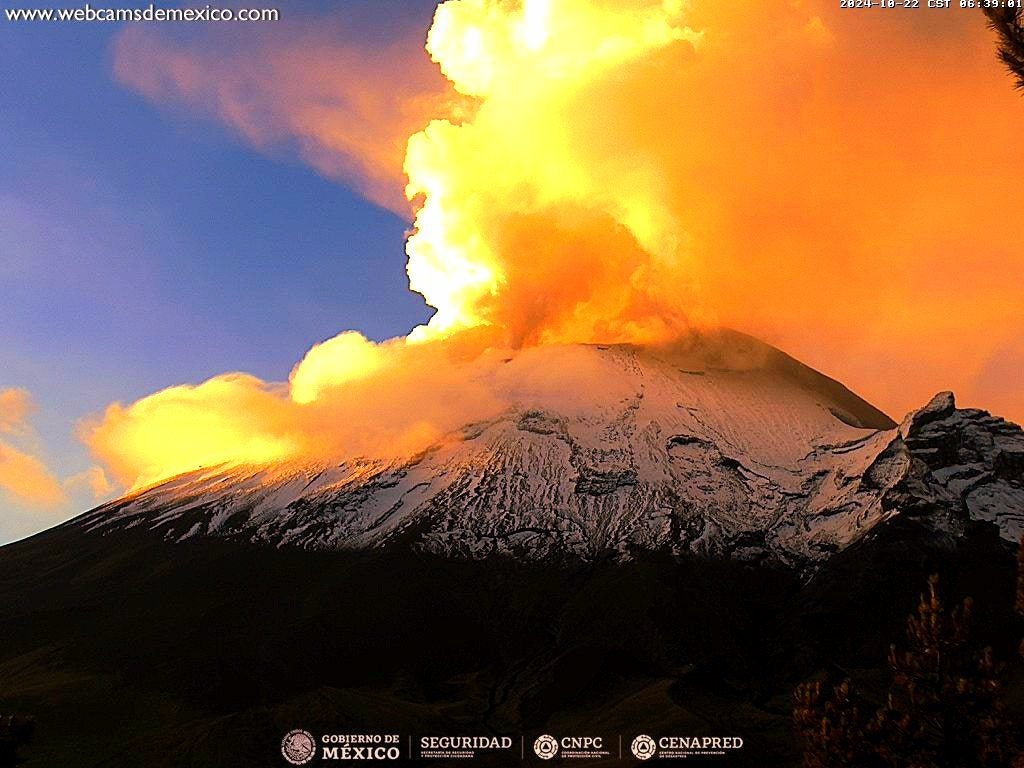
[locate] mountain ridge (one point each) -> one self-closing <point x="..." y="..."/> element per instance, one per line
<point x="720" y="445"/>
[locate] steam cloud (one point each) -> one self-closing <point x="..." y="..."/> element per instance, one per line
<point x="619" y="171"/>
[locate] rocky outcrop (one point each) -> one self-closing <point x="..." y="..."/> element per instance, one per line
<point x="966" y="465"/>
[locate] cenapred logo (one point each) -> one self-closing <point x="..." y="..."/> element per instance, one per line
<point x="546" y="747"/>
<point x="643" y="747"/>
<point x="298" y="747"/>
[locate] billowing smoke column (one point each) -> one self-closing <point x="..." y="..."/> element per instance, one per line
<point x="523" y="235"/>
<point x="619" y="171"/>
<point x="525" y="224"/>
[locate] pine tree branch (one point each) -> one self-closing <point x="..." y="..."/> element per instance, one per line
<point x="1008" y="23"/>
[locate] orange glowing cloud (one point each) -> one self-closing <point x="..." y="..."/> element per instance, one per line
<point x="23" y="477"/>
<point x="233" y="417"/>
<point x="15" y="408"/>
<point x="636" y="166"/>
<point x="407" y="397"/>
<point x="27" y="479"/>
<point x="618" y="171"/>
<point x="93" y="481"/>
<point x="347" y="357"/>
<point x="527" y="222"/>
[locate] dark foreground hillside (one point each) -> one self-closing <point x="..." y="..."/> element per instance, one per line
<point x="130" y="651"/>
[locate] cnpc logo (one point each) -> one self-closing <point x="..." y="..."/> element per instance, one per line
<point x="546" y="747"/>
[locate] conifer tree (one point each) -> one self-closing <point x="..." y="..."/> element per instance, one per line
<point x="942" y="709"/>
<point x="1008" y="23"/>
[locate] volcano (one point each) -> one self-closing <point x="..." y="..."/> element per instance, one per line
<point x="718" y="445"/>
<point x="647" y="540"/>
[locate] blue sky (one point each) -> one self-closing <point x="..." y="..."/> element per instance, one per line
<point x="142" y="247"/>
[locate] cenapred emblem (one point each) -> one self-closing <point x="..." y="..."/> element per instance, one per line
<point x="643" y="747"/>
<point x="546" y="747"/>
<point x="298" y="747"/>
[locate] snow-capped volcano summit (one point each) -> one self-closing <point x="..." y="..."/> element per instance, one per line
<point x="720" y="445"/>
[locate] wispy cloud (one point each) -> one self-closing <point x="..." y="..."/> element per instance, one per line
<point x="347" y="102"/>
<point x="23" y="476"/>
<point x="33" y="493"/>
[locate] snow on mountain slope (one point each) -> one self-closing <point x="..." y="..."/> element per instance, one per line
<point x="721" y="445"/>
